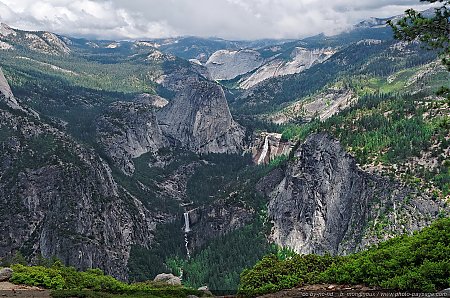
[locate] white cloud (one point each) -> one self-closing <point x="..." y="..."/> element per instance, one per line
<point x="232" y="19"/>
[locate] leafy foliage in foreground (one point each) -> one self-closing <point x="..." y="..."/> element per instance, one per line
<point x="420" y="262"/>
<point x="68" y="282"/>
<point x="273" y="274"/>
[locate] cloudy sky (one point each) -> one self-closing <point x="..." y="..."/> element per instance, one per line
<point x="230" y="19"/>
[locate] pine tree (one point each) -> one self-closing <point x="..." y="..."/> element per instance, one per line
<point x="433" y="31"/>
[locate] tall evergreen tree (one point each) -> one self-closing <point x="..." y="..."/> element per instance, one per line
<point x="434" y="31"/>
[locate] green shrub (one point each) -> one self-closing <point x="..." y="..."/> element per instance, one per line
<point x="420" y="262"/>
<point x="273" y="274"/>
<point x="49" y="278"/>
<point x="68" y="282"/>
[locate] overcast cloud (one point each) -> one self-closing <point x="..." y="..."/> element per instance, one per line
<point x="230" y="19"/>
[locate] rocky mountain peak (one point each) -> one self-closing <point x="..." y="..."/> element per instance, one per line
<point x="199" y="119"/>
<point x="57" y="43"/>
<point x="5" y="30"/>
<point x="43" y="42"/>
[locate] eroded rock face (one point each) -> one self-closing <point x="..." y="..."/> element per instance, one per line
<point x="321" y="106"/>
<point x="128" y="130"/>
<point x="226" y="65"/>
<point x="300" y="60"/>
<point x="325" y="203"/>
<point x="8" y="96"/>
<point x="63" y="201"/>
<point x="199" y="119"/>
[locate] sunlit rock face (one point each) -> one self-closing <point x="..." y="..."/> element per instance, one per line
<point x="199" y="120"/>
<point x="227" y="65"/>
<point x="300" y="60"/>
<point x="269" y="146"/>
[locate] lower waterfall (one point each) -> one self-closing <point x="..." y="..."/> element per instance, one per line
<point x="187" y="229"/>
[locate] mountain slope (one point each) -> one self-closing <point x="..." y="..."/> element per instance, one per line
<point x="63" y="199"/>
<point x="325" y="204"/>
<point x="364" y="58"/>
<point x="42" y="42"/>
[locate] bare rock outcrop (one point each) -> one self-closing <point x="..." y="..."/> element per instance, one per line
<point x="168" y="278"/>
<point x="63" y="201"/>
<point x="128" y="130"/>
<point x="321" y="106"/>
<point x="227" y="65"/>
<point x="326" y="204"/>
<point x="8" y="97"/>
<point x="5" y="274"/>
<point x="300" y="60"/>
<point x="198" y="119"/>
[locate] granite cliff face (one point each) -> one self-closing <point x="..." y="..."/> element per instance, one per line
<point x="128" y="130"/>
<point x="62" y="199"/>
<point x="268" y="146"/>
<point x="198" y="119"/>
<point x="9" y="99"/>
<point x="226" y="65"/>
<point x="215" y="220"/>
<point x="300" y="60"/>
<point x="325" y="203"/>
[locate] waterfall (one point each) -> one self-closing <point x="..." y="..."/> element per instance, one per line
<point x="186" y="222"/>
<point x="186" y="244"/>
<point x="264" y="151"/>
<point x="187" y="229"/>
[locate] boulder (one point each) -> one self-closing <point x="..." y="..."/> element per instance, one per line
<point x="205" y="290"/>
<point x="168" y="278"/>
<point x="5" y="274"/>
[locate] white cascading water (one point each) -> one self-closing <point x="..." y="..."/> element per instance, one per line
<point x="264" y="151"/>
<point x="186" y="222"/>
<point x="187" y="229"/>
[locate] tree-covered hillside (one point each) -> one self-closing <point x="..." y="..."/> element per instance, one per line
<point x="418" y="262"/>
